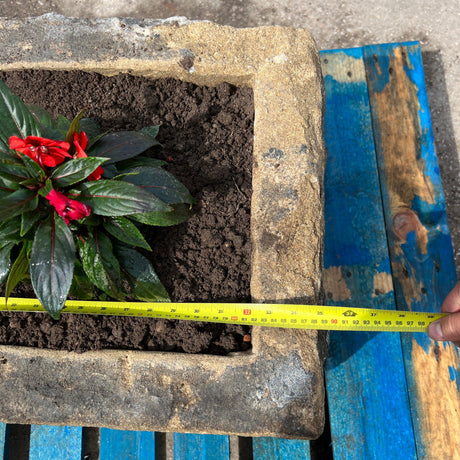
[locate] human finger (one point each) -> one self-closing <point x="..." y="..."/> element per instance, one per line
<point x="446" y="328"/>
<point x="451" y="303"/>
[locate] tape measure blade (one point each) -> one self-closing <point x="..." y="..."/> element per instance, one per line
<point x="268" y="315"/>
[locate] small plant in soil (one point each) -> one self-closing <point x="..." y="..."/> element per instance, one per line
<point x="73" y="202"/>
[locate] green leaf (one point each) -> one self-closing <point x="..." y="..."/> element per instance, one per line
<point x="82" y="287"/>
<point x="126" y="231"/>
<point x="44" y="190"/>
<point x="74" y="127"/>
<point x="18" y="202"/>
<point x="5" y="261"/>
<point x="110" y="171"/>
<point x="160" y="183"/>
<point x="18" y="270"/>
<point x="7" y="184"/>
<point x="34" y="169"/>
<point x="52" y="262"/>
<point x="141" y="275"/>
<point x="100" y="264"/>
<point x="63" y="124"/>
<point x="140" y="161"/>
<point x="54" y="133"/>
<point x="16" y="120"/>
<point x="28" y="220"/>
<point x="75" y="171"/>
<point x="91" y="129"/>
<point x="14" y="172"/>
<point x="151" y="131"/>
<point x="29" y="183"/>
<point x="121" y="146"/>
<point x="9" y="231"/>
<point x="5" y="192"/>
<point x="121" y="176"/>
<point x="179" y="213"/>
<point x="113" y="198"/>
<point x="43" y="118"/>
<point x="5" y="152"/>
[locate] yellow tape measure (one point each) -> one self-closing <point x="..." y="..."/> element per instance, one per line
<point x="272" y="315"/>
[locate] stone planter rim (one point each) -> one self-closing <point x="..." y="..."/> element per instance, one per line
<point x="275" y="390"/>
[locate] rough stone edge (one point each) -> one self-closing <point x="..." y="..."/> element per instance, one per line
<point x="283" y="69"/>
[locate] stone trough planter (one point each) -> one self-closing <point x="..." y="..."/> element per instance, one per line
<point x="276" y="389"/>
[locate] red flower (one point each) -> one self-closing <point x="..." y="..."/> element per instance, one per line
<point x="81" y="141"/>
<point x="45" y="152"/>
<point x="68" y="209"/>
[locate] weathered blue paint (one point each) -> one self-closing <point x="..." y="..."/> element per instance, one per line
<point x="285" y="449"/>
<point x="56" y="442"/>
<point x="362" y="369"/>
<point x="455" y="375"/>
<point x="355" y="247"/>
<point x="2" y="440"/>
<point x="201" y="447"/>
<point x="425" y="276"/>
<point x="126" y="445"/>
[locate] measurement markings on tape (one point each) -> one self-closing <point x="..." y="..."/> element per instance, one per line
<point x="270" y="315"/>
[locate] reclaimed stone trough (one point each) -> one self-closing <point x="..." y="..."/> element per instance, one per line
<point x="277" y="388"/>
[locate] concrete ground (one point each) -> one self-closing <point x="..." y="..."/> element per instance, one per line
<point x="334" y="24"/>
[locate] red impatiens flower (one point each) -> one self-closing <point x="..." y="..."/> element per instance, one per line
<point x="45" y="152"/>
<point x="81" y="141"/>
<point x="68" y="209"/>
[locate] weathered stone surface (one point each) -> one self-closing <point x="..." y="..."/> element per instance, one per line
<point x="277" y="389"/>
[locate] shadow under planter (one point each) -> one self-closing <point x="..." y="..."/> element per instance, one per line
<point x="277" y="389"/>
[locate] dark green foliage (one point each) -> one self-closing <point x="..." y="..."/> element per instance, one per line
<point x="73" y="201"/>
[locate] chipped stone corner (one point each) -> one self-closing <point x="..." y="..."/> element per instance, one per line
<point x="279" y="386"/>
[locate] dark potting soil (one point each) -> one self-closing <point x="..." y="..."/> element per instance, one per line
<point x="206" y="136"/>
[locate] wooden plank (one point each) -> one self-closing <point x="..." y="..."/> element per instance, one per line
<point x="421" y="252"/>
<point x="123" y="445"/>
<point x="57" y="442"/>
<point x="2" y="440"/>
<point x="368" y="402"/>
<point x="281" y="449"/>
<point x="201" y="447"/>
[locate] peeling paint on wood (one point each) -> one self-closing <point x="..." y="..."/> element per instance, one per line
<point x="411" y="290"/>
<point x="335" y="286"/>
<point x="383" y="284"/>
<point x="440" y="423"/>
<point x="400" y="130"/>
<point x="419" y="242"/>
<point x="406" y="221"/>
<point x="362" y="369"/>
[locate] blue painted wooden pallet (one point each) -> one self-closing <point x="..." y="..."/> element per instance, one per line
<point x="202" y="446"/>
<point x="419" y="240"/>
<point x="123" y="445"/>
<point x="387" y="245"/>
<point x="2" y="439"/>
<point x="363" y="369"/>
<point x="55" y="442"/>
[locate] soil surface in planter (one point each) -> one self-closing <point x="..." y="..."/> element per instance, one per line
<point x="206" y="136"/>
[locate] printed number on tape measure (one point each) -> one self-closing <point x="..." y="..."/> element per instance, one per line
<point x="272" y="315"/>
